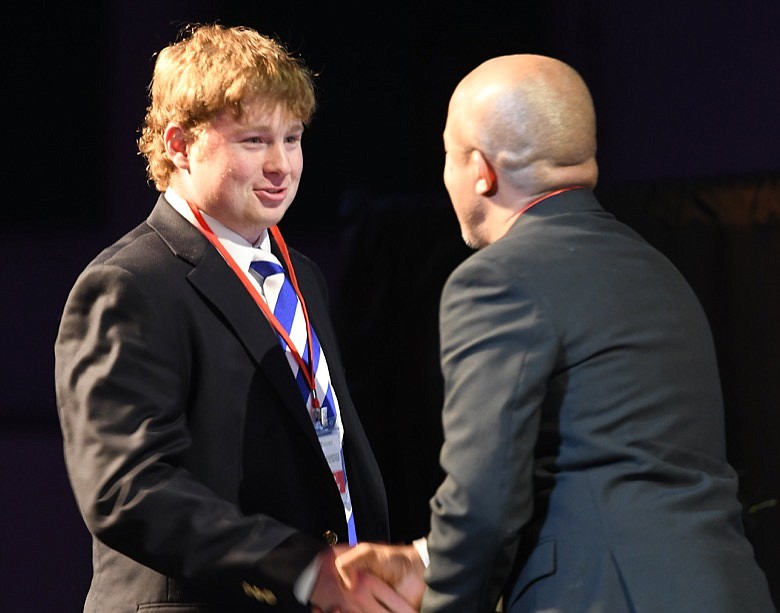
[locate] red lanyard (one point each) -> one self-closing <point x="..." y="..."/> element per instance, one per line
<point x="545" y="197"/>
<point x="306" y="369"/>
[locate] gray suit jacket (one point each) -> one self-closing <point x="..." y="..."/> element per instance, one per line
<point x="584" y="436"/>
<point x="190" y="451"/>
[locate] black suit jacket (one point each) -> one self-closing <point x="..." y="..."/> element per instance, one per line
<point x="190" y="451"/>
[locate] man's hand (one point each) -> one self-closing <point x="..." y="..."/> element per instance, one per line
<point x="362" y="592"/>
<point x="397" y="565"/>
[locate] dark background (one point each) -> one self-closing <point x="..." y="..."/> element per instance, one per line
<point x="687" y="95"/>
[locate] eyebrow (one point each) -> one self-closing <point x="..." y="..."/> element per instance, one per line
<point x="295" y="124"/>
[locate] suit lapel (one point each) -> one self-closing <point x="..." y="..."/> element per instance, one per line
<point x="214" y="280"/>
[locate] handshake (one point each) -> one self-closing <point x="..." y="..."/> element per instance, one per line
<point x="369" y="577"/>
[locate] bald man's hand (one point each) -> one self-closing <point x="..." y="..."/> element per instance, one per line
<point x="400" y="566"/>
<point x="362" y="592"/>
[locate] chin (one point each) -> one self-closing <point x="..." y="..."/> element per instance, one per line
<point x="472" y="239"/>
<point x="272" y="216"/>
<point x="472" y="243"/>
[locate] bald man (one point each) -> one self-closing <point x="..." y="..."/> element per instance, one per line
<point x="583" y="421"/>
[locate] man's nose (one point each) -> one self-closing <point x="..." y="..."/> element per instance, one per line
<point x="277" y="160"/>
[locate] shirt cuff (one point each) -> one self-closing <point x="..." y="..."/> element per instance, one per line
<point x="305" y="582"/>
<point x="421" y="545"/>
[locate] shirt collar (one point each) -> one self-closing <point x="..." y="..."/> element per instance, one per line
<point x="238" y="247"/>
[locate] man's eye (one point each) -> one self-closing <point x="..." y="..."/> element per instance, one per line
<point x="295" y="138"/>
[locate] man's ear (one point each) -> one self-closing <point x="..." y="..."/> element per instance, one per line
<point x="485" y="184"/>
<point x="176" y="146"/>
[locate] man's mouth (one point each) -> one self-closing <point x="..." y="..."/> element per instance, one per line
<point x="272" y="194"/>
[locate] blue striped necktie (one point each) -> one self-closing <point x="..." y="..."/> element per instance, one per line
<point x="283" y="302"/>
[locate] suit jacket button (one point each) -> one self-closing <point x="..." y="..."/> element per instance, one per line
<point x="330" y="537"/>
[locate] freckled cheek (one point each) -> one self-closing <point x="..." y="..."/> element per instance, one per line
<point x="238" y="171"/>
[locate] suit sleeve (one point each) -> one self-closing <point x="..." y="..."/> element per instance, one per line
<point x="123" y="377"/>
<point x="497" y="352"/>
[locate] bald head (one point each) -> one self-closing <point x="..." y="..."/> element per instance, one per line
<point x="532" y="117"/>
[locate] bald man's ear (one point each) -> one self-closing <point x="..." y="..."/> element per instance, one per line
<point x="486" y="183"/>
<point x="176" y="146"/>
